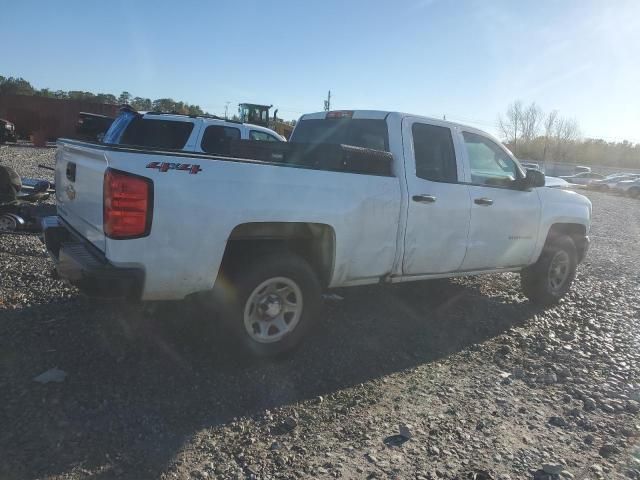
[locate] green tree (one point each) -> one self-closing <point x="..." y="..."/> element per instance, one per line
<point x="80" y="95"/>
<point x="45" y="92"/>
<point x="15" y="86"/>
<point x="164" y="105"/>
<point x="106" y="98"/>
<point x="141" y="104"/>
<point x="179" y="107"/>
<point x="124" y="98"/>
<point x="194" y="110"/>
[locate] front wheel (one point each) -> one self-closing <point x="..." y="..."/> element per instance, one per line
<point x="549" y="279"/>
<point x="634" y="192"/>
<point x="276" y="300"/>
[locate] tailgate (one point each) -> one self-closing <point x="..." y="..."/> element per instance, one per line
<point x="79" y="181"/>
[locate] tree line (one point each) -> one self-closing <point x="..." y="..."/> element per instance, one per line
<point x="20" y="86"/>
<point x="532" y="134"/>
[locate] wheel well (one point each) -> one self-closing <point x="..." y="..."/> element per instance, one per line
<point x="315" y="242"/>
<point x="576" y="231"/>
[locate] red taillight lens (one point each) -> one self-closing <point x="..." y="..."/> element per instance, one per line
<point x="127" y="203"/>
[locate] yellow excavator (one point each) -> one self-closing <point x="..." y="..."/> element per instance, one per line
<point x="259" y="115"/>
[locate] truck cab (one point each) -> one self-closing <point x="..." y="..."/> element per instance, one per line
<point x="467" y="202"/>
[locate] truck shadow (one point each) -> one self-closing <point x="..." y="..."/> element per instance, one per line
<point x="140" y="386"/>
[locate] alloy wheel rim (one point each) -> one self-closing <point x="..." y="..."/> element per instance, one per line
<point x="558" y="270"/>
<point x="7" y="224"/>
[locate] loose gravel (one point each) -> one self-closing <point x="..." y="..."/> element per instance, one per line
<point x="456" y="379"/>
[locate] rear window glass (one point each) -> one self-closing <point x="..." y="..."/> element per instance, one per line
<point x="216" y="138"/>
<point x="357" y="132"/>
<point x="167" y="134"/>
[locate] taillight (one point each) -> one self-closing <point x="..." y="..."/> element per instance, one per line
<point x="127" y="205"/>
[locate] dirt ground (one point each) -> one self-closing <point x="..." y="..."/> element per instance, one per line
<point x="451" y="379"/>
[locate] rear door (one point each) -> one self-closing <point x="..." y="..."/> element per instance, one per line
<point x="438" y="211"/>
<point x="504" y="219"/>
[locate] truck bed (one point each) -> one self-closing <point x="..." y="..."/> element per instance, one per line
<point x="199" y="199"/>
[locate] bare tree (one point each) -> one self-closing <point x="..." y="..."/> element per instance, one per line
<point x="530" y="123"/>
<point x="549" y="124"/>
<point x="511" y="123"/>
<point x="520" y="126"/>
<point x="551" y="137"/>
<point x="566" y="133"/>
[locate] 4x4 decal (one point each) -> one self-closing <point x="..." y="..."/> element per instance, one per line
<point x="192" y="168"/>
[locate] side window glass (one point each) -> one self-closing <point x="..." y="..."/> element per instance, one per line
<point x="434" y="153"/>
<point x="216" y="138"/>
<point x="262" y="136"/>
<point x="153" y="133"/>
<point x="489" y="164"/>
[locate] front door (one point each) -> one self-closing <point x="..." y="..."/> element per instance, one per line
<point x="438" y="210"/>
<point x="504" y="219"/>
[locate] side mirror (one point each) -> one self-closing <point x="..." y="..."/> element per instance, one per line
<point x="534" y="179"/>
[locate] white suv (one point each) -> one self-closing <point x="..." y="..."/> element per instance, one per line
<point x="190" y="133"/>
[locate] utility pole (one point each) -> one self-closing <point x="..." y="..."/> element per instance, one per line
<point x="226" y="110"/>
<point x="327" y="102"/>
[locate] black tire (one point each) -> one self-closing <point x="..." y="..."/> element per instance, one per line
<point x="536" y="281"/>
<point x="245" y="277"/>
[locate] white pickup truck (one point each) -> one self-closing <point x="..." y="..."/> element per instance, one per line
<point x="261" y="238"/>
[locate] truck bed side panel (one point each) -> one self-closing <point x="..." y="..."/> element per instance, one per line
<point x="195" y="213"/>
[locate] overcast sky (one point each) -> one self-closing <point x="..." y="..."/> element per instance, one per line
<point x="466" y="59"/>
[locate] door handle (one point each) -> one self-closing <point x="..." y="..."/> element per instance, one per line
<point x="483" y="201"/>
<point x="424" y="198"/>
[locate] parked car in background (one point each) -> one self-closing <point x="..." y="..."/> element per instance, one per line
<point x="610" y="181"/>
<point x="168" y="131"/>
<point x="582" y="169"/>
<point x="7" y="131"/>
<point x="583" y="178"/>
<point x="629" y="187"/>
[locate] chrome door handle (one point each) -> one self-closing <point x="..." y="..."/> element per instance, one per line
<point x="483" y="201"/>
<point x="424" y="198"/>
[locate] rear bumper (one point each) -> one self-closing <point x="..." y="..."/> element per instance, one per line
<point x="82" y="265"/>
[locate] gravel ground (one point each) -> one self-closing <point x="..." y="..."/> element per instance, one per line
<point x="456" y="379"/>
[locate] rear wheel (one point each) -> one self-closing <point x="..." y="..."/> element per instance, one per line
<point x="549" y="279"/>
<point x="8" y="223"/>
<point x="275" y="301"/>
